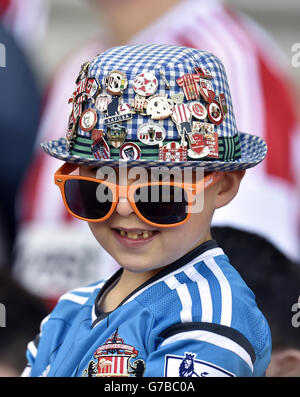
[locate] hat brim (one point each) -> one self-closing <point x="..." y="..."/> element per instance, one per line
<point x="253" y="151"/>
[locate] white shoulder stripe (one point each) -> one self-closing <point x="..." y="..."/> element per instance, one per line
<point x="184" y="296"/>
<point x="26" y="372"/>
<point x="214" y="339"/>
<point x="89" y="289"/>
<point x="32" y="348"/>
<point x="71" y="295"/>
<point x="74" y="298"/>
<point x="204" y="292"/>
<point x="226" y="295"/>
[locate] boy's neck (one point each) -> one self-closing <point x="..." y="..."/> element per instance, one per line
<point x="128" y="282"/>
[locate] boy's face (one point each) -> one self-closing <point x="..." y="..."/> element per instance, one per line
<point x="140" y="247"/>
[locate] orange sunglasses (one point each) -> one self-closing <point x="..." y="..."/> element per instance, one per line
<point x="95" y="200"/>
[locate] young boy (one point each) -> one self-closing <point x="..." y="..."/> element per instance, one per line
<point x="176" y="307"/>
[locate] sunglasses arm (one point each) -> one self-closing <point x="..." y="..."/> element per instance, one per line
<point x="66" y="169"/>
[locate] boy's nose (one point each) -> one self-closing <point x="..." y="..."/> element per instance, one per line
<point x="123" y="207"/>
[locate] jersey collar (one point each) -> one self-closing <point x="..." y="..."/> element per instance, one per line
<point x="99" y="315"/>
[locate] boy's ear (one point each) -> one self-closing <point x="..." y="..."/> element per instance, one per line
<point x="285" y="363"/>
<point x="228" y="187"/>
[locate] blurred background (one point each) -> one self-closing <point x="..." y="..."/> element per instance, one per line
<point x="43" y="252"/>
<point x="71" y="22"/>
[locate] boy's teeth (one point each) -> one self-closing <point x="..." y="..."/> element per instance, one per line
<point x="132" y="235"/>
<point x="135" y="235"/>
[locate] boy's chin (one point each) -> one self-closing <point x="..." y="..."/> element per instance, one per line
<point x="137" y="267"/>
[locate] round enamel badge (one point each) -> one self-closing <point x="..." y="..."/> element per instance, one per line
<point x="145" y="84"/>
<point x="130" y="151"/>
<point x="198" y="110"/>
<point x="116" y="82"/>
<point x="214" y="112"/>
<point x="159" y="107"/>
<point x="88" y="120"/>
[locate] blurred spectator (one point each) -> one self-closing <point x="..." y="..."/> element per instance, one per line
<point x="19" y="116"/>
<point x="275" y="281"/>
<point x="264" y="104"/>
<point x="21" y="314"/>
<point x="26" y="20"/>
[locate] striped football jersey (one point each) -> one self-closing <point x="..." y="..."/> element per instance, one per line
<point x="195" y="318"/>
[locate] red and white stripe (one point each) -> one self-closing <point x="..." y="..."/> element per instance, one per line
<point x="181" y="113"/>
<point x="188" y="82"/>
<point x="117" y="365"/>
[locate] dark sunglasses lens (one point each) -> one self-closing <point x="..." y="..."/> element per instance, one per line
<point x="164" y="205"/>
<point x="88" y="199"/>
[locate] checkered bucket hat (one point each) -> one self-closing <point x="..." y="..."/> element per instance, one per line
<point x="155" y="105"/>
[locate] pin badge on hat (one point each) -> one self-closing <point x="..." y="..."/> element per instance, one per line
<point x="145" y="84"/>
<point x="130" y="151"/>
<point x="198" y="110"/>
<point x="139" y="104"/>
<point x="178" y="98"/>
<point x="88" y="119"/>
<point x="182" y="118"/>
<point x="100" y="149"/>
<point x="83" y="71"/>
<point x="151" y="134"/>
<point x="173" y="151"/>
<point x="162" y="74"/>
<point x="116" y="134"/>
<point x="71" y="132"/>
<point x="189" y="83"/>
<point x="197" y="146"/>
<point x="97" y="134"/>
<point x="101" y="103"/>
<point x="203" y="72"/>
<point x="92" y="87"/>
<point x="202" y="127"/>
<point x="223" y="103"/>
<point x="86" y="89"/>
<point x="203" y="141"/>
<point x="116" y="113"/>
<point x="214" y="112"/>
<point x="76" y="111"/>
<point x="206" y="90"/>
<point x="159" y="107"/>
<point x="116" y="82"/>
<point x="212" y="141"/>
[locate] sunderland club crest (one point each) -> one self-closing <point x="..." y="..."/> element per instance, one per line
<point x="115" y="359"/>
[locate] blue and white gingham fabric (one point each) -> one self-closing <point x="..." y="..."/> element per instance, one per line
<point x="174" y="62"/>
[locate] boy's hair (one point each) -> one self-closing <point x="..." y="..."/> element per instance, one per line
<point x="274" y="279"/>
